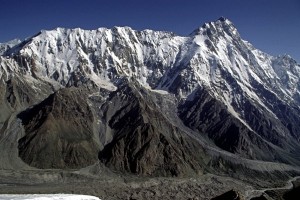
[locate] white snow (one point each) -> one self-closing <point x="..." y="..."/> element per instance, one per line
<point x="7" y="45"/>
<point x="160" y="56"/>
<point x="46" y="197"/>
<point x="102" y="82"/>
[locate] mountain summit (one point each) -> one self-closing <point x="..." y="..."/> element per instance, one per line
<point x="148" y="102"/>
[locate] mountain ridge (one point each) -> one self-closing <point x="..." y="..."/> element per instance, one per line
<point x="211" y="88"/>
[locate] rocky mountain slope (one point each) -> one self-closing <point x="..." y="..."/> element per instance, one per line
<point x="148" y="102"/>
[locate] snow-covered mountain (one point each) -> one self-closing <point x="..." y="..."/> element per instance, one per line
<point x="156" y="59"/>
<point x="8" y="45"/>
<point x="210" y="90"/>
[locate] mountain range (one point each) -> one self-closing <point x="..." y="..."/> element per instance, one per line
<point x="150" y="103"/>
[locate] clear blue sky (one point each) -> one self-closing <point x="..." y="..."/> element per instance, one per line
<point x="270" y="25"/>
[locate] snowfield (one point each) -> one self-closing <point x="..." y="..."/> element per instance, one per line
<point x="46" y="197"/>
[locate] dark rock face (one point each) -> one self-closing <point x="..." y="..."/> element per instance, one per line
<point x="259" y="198"/>
<point x="292" y="194"/>
<point x="230" y="195"/>
<point x="19" y="94"/>
<point x="210" y="117"/>
<point x="146" y="143"/>
<point x="59" y="132"/>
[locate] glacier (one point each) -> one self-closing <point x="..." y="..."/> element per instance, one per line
<point x="46" y="197"/>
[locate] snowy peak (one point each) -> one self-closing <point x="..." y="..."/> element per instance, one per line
<point x="100" y="55"/>
<point x="8" y="45"/>
<point x="217" y="28"/>
<point x="223" y="19"/>
<point x="214" y="53"/>
<point x="288" y="72"/>
<point x="12" y="43"/>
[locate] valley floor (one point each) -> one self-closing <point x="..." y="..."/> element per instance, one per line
<point x="55" y="182"/>
<point x="129" y="187"/>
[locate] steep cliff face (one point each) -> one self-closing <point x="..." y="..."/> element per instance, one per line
<point x="148" y="102"/>
<point x="258" y="139"/>
<point x="59" y="132"/>
<point x="146" y="142"/>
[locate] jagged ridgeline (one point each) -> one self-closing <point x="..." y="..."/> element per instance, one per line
<point x="148" y="102"/>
